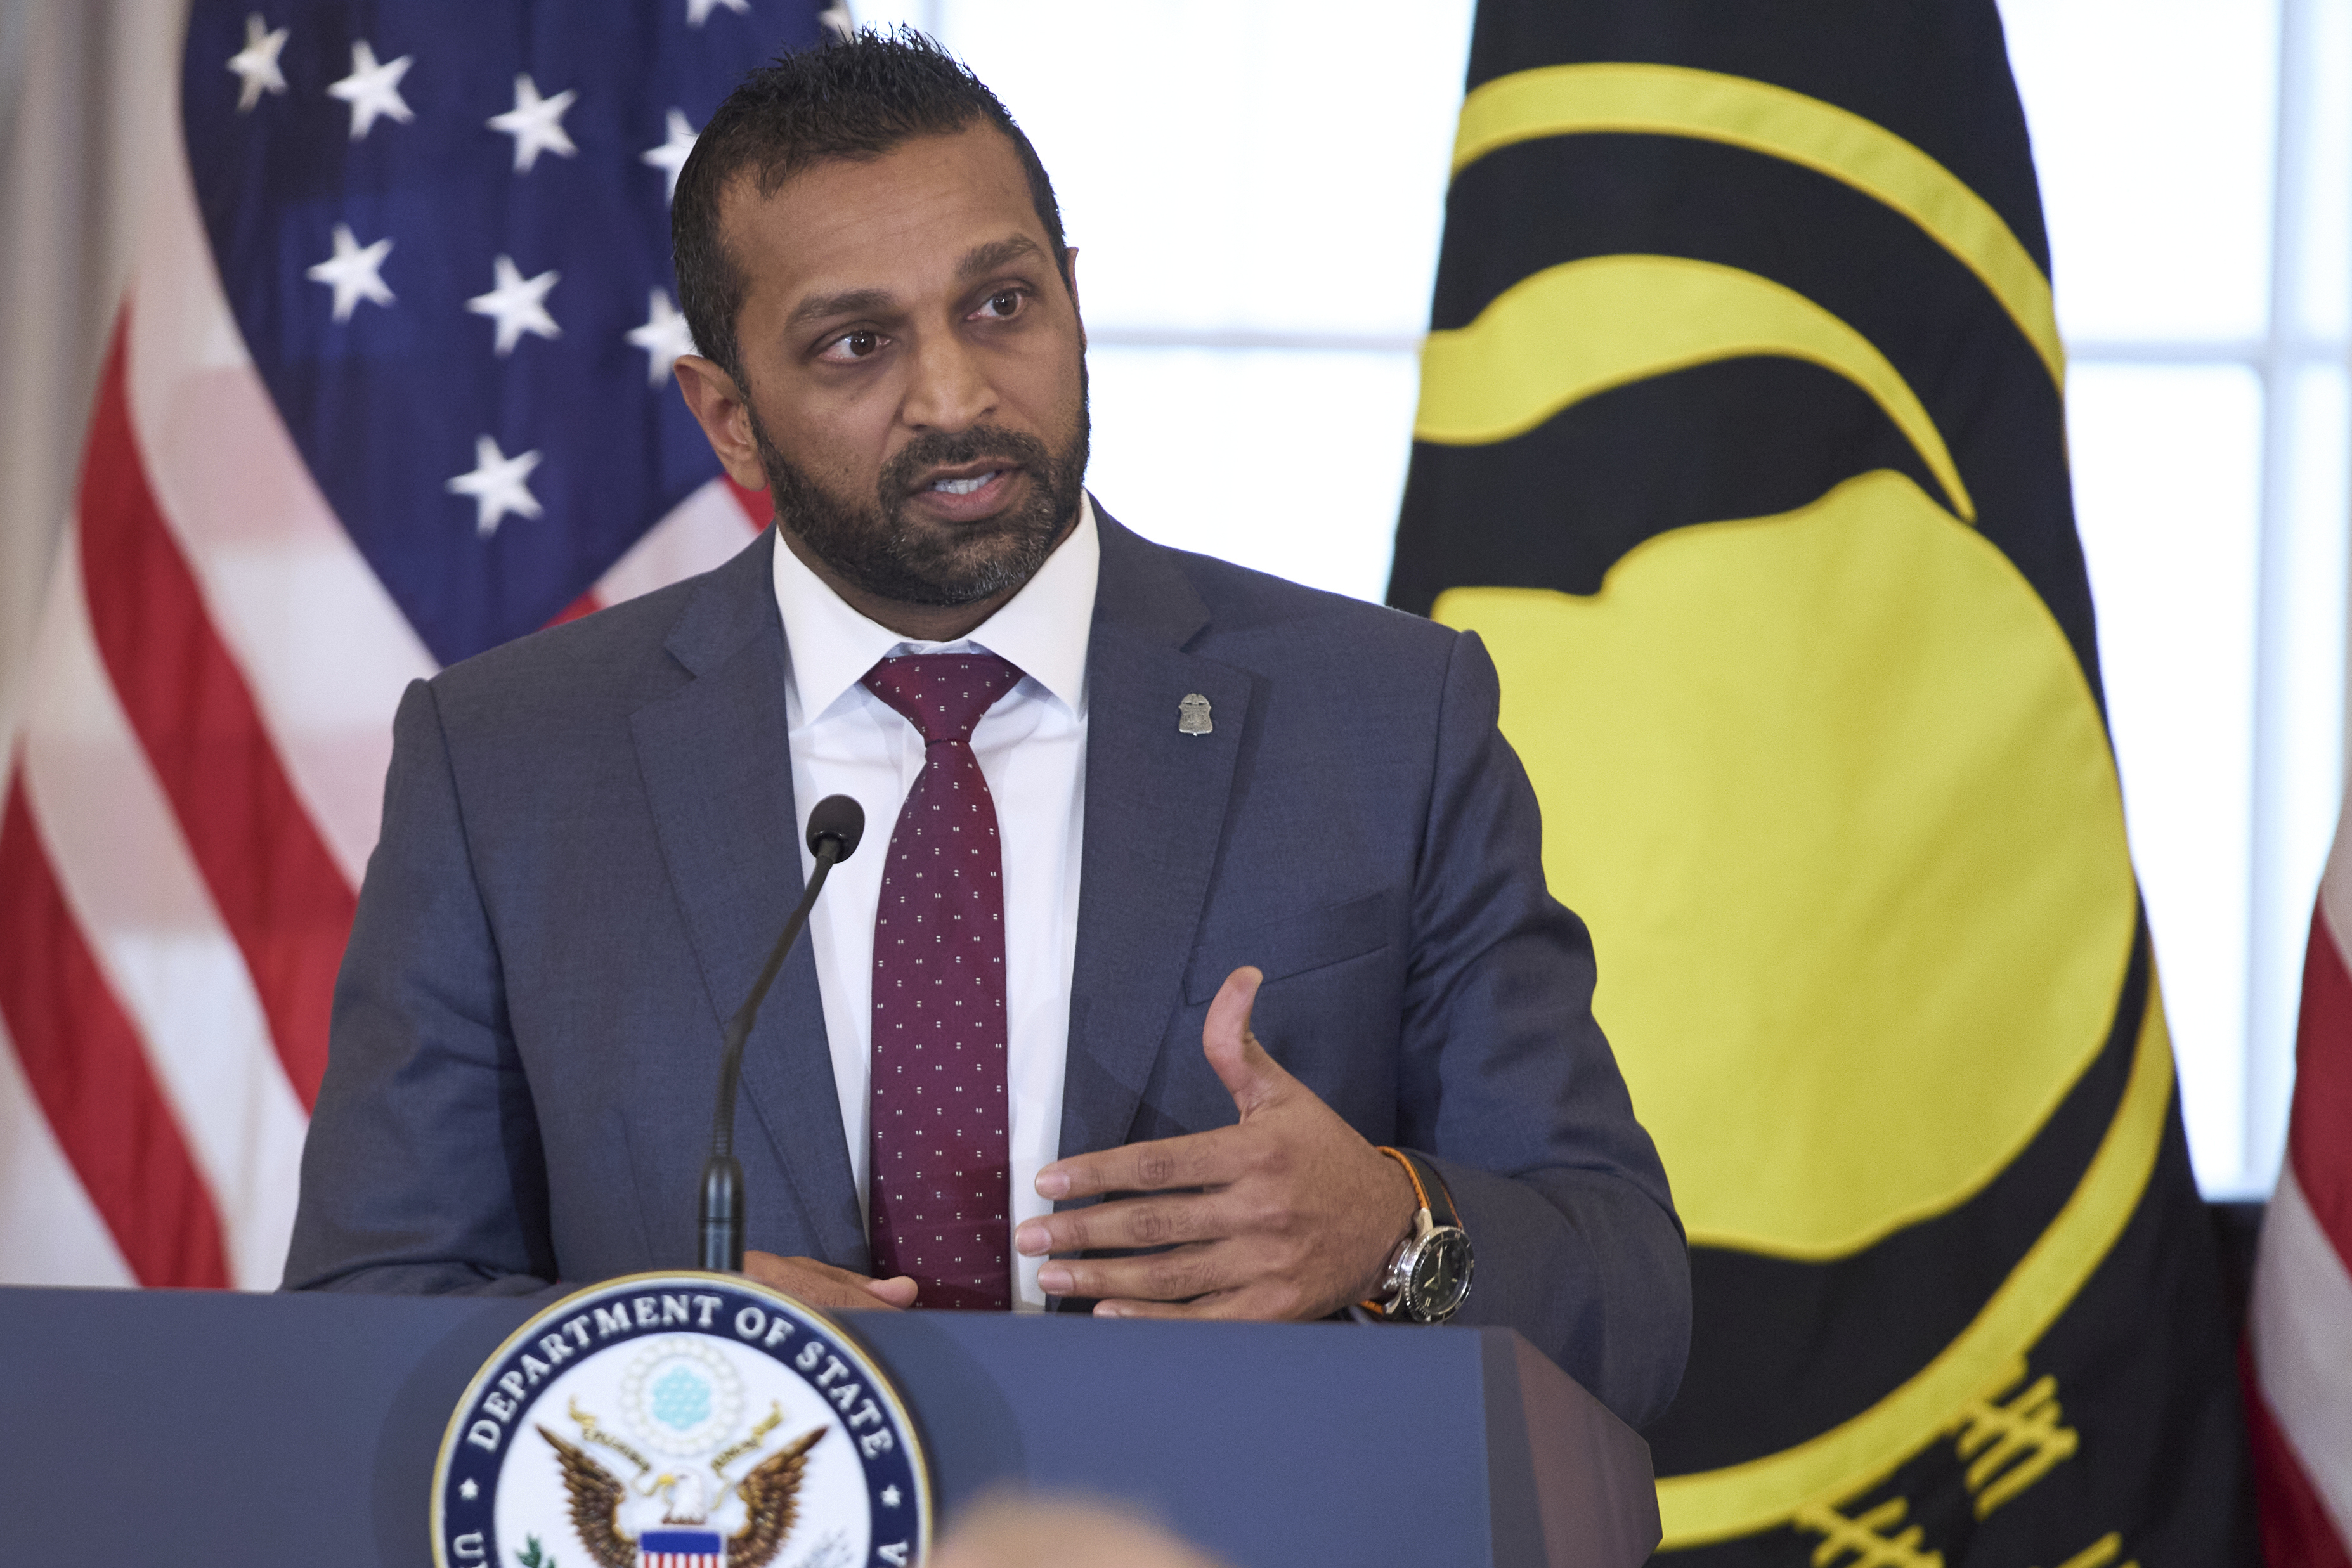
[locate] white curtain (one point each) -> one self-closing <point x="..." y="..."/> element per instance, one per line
<point x="69" y="140"/>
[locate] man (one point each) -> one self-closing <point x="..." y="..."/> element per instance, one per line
<point x="1132" y="813"/>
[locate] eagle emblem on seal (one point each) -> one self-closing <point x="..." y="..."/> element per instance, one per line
<point x="680" y="1421"/>
<point x="770" y="1492"/>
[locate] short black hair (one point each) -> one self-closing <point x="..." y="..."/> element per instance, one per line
<point x="857" y="97"/>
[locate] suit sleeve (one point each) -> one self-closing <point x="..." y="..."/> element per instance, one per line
<point x="1510" y="1089"/>
<point x="423" y="1172"/>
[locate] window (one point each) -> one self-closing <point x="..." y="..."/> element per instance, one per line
<point x="2196" y="164"/>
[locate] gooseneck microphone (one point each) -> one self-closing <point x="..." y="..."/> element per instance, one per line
<point x="835" y="827"/>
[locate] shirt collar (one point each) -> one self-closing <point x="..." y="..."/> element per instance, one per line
<point x="1043" y="629"/>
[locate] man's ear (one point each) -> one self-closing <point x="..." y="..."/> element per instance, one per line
<point x="721" y="409"/>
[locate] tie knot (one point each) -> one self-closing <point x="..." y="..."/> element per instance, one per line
<point x="943" y="694"/>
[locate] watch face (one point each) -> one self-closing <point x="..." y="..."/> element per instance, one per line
<point x="1440" y="1275"/>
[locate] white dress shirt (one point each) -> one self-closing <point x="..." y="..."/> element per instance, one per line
<point x="1031" y="748"/>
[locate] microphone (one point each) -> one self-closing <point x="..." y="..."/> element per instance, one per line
<point x="835" y="827"/>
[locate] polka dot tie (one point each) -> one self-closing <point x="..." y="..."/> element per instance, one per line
<point x="940" y="1173"/>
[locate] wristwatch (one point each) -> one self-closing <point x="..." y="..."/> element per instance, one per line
<point x="1430" y="1273"/>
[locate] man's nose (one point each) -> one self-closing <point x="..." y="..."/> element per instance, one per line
<point x="949" y="389"/>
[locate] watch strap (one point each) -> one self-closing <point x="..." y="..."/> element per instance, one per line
<point x="1369" y="1311"/>
<point x="1428" y="1185"/>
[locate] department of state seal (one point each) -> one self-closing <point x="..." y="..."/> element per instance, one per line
<point x="680" y="1421"/>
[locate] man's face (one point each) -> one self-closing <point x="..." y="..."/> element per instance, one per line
<point x="914" y="369"/>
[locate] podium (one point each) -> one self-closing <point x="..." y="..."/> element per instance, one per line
<point x="201" y="1427"/>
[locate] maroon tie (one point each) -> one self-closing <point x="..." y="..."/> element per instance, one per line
<point x="941" y="1176"/>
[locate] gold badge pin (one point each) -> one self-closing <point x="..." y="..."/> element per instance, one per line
<point x="1192" y="714"/>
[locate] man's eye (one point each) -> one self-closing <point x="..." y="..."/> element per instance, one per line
<point x="852" y="346"/>
<point x="1003" y="305"/>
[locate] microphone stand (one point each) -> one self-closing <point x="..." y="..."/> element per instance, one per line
<point x="721" y="1229"/>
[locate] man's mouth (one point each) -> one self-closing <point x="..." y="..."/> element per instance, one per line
<point x="965" y="483"/>
<point x="967" y="492"/>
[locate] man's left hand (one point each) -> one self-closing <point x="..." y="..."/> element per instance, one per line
<point x="1295" y="1215"/>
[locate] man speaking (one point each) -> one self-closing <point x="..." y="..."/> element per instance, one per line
<point x="1198" y="962"/>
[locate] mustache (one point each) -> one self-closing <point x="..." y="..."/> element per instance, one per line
<point x="902" y="474"/>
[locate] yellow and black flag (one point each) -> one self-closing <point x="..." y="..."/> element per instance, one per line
<point x="1740" y="443"/>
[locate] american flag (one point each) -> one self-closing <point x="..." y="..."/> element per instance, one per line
<point x="2298" y="1353"/>
<point x="388" y="385"/>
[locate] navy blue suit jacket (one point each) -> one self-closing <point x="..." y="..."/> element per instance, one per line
<point x="589" y="842"/>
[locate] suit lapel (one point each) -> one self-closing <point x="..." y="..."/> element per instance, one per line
<point x="1155" y="805"/>
<point x="716" y="766"/>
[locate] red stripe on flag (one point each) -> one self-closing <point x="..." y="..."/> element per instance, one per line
<point x="2297" y="1531"/>
<point x="279" y="892"/>
<point x="756" y="504"/>
<point x="586" y="604"/>
<point x="2319" y="1129"/>
<point x="86" y="1069"/>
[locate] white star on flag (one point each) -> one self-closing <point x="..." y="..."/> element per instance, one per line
<point x="373" y="90"/>
<point x="354" y="272"/>
<point x="670" y="156"/>
<point x="497" y="486"/>
<point x="256" y="65"/>
<point x="536" y="123"/>
<point x="664" y="337"/>
<point x="698" y="12"/>
<point x="517" y="303"/>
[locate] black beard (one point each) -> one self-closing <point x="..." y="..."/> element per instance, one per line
<point x="872" y="547"/>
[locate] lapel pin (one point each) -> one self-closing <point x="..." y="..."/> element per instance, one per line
<point x="1192" y="714"/>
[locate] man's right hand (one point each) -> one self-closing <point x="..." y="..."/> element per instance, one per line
<point x="822" y="1285"/>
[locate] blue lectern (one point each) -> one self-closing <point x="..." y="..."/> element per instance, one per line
<point x="197" y="1427"/>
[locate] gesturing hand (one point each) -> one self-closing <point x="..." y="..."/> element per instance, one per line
<point x="1295" y="1217"/>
